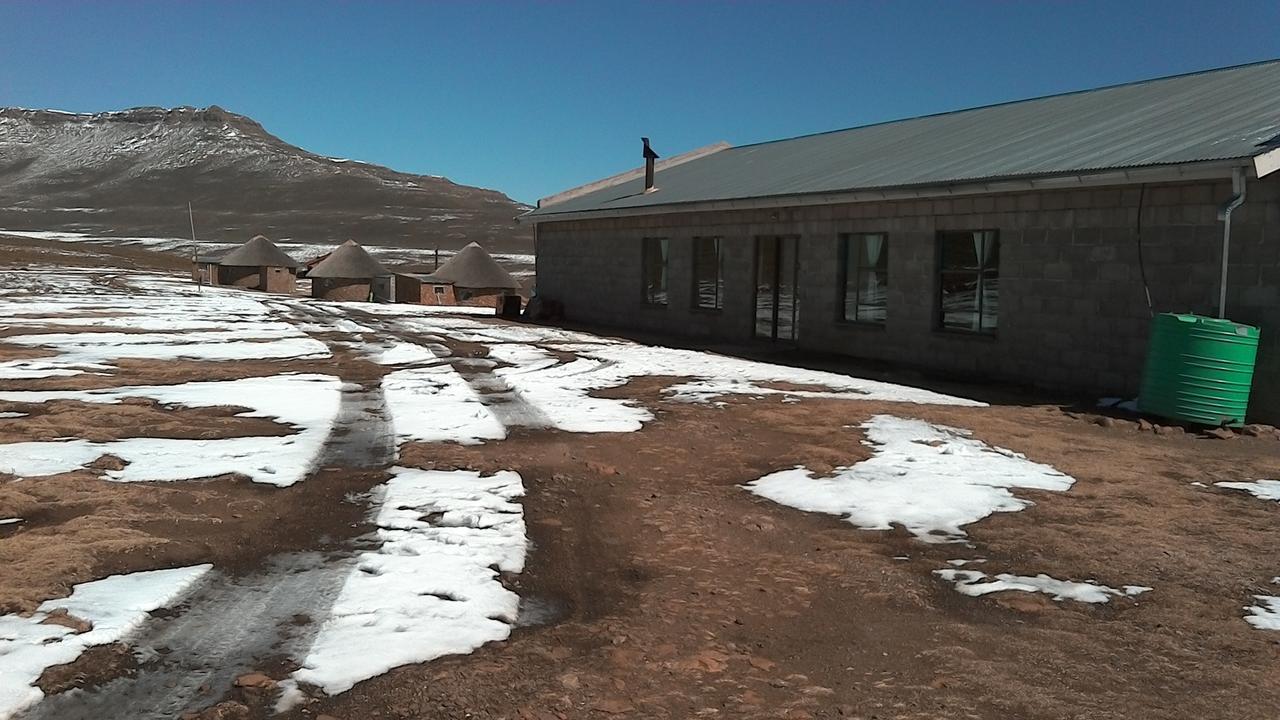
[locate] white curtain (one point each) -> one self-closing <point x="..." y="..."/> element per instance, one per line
<point x="874" y="244"/>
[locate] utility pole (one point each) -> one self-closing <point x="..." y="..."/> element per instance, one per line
<point x="195" y="251"/>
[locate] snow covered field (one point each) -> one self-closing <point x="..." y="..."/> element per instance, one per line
<point x="430" y="573"/>
<point x="429" y="585"/>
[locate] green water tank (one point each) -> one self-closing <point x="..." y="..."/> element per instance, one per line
<point x="1199" y="369"/>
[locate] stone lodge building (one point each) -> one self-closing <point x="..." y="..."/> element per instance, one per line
<point x="1027" y="242"/>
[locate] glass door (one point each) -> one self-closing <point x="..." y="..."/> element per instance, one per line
<point x="777" y="266"/>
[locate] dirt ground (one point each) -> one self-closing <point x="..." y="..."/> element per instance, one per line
<point x="681" y="595"/>
<point x="665" y="590"/>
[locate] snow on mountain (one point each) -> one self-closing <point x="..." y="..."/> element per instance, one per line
<point x="133" y="172"/>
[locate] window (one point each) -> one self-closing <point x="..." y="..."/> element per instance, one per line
<point x="969" y="281"/>
<point x="654" y="268"/>
<point x="708" y="274"/>
<point x="439" y="290"/>
<point x="866" y="277"/>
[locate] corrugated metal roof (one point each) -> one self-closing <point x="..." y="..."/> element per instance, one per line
<point x="1212" y="115"/>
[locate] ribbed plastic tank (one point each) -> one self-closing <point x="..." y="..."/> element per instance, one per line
<point x="1199" y="369"/>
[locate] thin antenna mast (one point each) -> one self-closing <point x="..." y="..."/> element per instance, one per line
<point x="195" y="250"/>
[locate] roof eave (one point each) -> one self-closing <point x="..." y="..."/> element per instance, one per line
<point x="1175" y="172"/>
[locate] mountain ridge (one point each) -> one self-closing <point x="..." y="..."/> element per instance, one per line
<point x="131" y="172"/>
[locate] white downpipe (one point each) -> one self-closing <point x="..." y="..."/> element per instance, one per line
<point x="1237" y="199"/>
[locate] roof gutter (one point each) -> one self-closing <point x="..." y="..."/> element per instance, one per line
<point x="1208" y="170"/>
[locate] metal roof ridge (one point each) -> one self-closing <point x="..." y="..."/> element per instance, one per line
<point x="988" y="106"/>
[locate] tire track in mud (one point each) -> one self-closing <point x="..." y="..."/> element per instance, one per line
<point x="229" y="625"/>
<point x="494" y="392"/>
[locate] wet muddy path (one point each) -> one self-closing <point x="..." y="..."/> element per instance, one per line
<point x="187" y="658"/>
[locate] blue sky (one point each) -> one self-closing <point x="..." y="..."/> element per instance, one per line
<point x="531" y="98"/>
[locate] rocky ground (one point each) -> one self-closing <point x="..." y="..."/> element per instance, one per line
<point x="656" y="586"/>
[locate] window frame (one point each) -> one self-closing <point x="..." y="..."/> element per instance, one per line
<point x="647" y="295"/>
<point x="842" y="285"/>
<point x="695" y="301"/>
<point x="983" y="268"/>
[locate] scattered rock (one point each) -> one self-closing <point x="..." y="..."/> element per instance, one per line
<point x="761" y="664"/>
<point x="613" y="706"/>
<point x="108" y="462"/>
<point x="713" y="661"/>
<point x="1220" y="434"/>
<point x="1258" y="430"/>
<point x="67" y="620"/>
<point x="1146" y="426"/>
<point x="255" y="681"/>
<point x="1170" y="430"/>
<point x="601" y="468"/>
<point x="817" y="691"/>
<point x="1104" y="421"/>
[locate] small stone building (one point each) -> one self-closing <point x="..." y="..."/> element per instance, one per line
<point x="1029" y="242"/>
<point x="204" y="270"/>
<point x="258" y="265"/>
<point x="471" y="277"/>
<point x="350" y="273"/>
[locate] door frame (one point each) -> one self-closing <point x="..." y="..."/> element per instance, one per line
<point x="778" y="254"/>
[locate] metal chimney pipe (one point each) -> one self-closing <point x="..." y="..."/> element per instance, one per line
<point x="649" y="157"/>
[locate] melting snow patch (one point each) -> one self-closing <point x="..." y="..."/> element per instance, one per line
<point x="308" y="402"/>
<point x="1266" y="614"/>
<point x="559" y="390"/>
<point x="435" y="404"/>
<point x="176" y="322"/>
<point x="396" y="352"/>
<point x="432" y="588"/>
<point x="928" y="478"/>
<point x="721" y="375"/>
<point x="976" y="584"/>
<point x="114" y="606"/>
<point x="11" y="415"/>
<point x="1261" y="489"/>
<point x="10" y="521"/>
<point x="562" y="390"/>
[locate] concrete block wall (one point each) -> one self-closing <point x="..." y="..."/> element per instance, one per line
<point x="1073" y="311"/>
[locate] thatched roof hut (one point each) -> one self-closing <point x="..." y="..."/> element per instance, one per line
<point x="471" y="277"/>
<point x="349" y="261"/>
<point x="258" y="252"/>
<point x="255" y="265"/>
<point x="473" y="269"/>
<point x="350" y="273"/>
